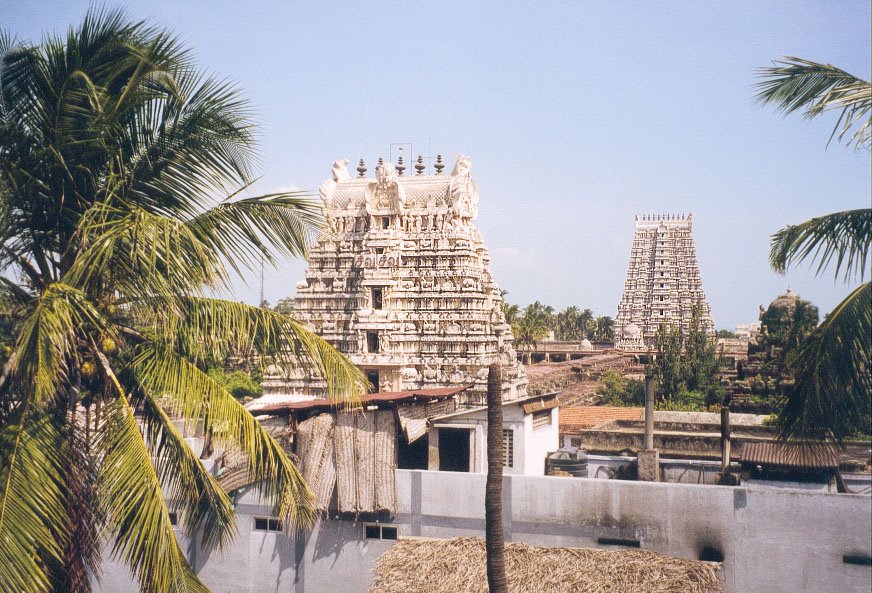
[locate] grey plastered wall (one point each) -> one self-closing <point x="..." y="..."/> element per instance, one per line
<point x="774" y="540"/>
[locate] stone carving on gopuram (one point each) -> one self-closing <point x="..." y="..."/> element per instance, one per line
<point x="400" y="283"/>
<point x="663" y="283"/>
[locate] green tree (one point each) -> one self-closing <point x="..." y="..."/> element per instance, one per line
<point x="701" y="364"/>
<point x="669" y="364"/>
<point x="120" y="163"/>
<point x="604" y="329"/>
<point x="617" y="390"/>
<point x="285" y="306"/>
<point x="832" y="392"/>
<point x="567" y="324"/>
<point x="239" y="383"/>
<point x="586" y="324"/>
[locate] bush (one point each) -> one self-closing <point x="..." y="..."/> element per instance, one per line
<point x="685" y="401"/>
<point x="620" y="391"/>
<point x="238" y="383"/>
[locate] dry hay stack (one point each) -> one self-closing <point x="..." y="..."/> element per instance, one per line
<point x="458" y="566"/>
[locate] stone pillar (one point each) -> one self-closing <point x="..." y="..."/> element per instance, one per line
<point x="725" y="440"/>
<point x="648" y="459"/>
<point x="649" y="409"/>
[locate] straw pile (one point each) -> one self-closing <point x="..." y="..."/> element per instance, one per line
<point x="458" y="566"/>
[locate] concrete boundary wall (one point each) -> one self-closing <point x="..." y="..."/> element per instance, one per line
<point x="773" y="540"/>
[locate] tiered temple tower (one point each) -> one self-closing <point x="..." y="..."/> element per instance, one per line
<point x="400" y="283"/>
<point x="663" y="282"/>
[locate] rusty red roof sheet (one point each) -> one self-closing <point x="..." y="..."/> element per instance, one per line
<point x="809" y="456"/>
<point x="578" y="418"/>
<point x="383" y="397"/>
<point x="545" y="402"/>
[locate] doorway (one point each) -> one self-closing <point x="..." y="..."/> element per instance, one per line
<point x="454" y="449"/>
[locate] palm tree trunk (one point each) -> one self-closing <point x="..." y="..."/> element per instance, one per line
<point x="495" y="542"/>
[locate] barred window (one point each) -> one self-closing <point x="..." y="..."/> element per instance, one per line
<point x="379" y="531"/>
<point x="508" y="448"/>
<point x="541" y="418"/>
<point x="267" y="524"/>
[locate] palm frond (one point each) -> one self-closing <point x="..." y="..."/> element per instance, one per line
<point x="248" y="229"/>
<point x="794" y="84"/>
<point x="831" y="395"/>
<point x="136" y="508"/>
<point x="209" y="330"/>
<point x="47" y="343"/>
<point x="32" y="514"/>
<point x="841" y="237"/>
<point x="197" y="396"/>
<point x="206" y="510"/>
<point x="143" y="254"/>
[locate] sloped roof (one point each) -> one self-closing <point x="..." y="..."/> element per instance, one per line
<point x="574" y="419"/>
<point x="792" y="455"/>
<point x="458" y="566"/>
<point x="382" y="397"/>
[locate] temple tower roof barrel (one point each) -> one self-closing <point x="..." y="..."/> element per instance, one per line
<point x="400" y="282"/>
<point x="663" y="282"/>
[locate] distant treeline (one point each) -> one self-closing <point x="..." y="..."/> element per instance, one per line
<point x="534" y="322"/>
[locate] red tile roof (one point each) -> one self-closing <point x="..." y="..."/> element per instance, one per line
<point x="578" y="418"/>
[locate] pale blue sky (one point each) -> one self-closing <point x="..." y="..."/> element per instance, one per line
<point x="576" y="115"/>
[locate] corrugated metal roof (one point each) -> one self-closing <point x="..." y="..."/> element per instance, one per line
<point x="381" y="397"/>
<point x="810" y="456"/>
<point x="574" y="419"/>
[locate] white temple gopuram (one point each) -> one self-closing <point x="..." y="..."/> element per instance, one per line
<point x="663" y="283"/>
<point x="400" y="283"/>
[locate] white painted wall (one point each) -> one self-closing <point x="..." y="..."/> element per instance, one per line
<point x="531" y="446"/>
<point x="774" y="540"/>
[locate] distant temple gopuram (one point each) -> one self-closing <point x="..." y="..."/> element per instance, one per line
<point x="400" y="283"/>
<point x="663" y="283"/>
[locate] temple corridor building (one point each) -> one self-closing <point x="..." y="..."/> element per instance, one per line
<point x="663" y="283"/>
<point x="400" y="283"/>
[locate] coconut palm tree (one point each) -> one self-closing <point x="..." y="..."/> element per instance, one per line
<point x="495" y="540"/>
<point x="604" y="328"/>
<point x="831" y="395"/>
<point x="120" y="163"/>
<point x="567" y="323"/>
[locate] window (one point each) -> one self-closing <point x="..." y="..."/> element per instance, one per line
<point x="372" y="377"/>
<point x="508" y="448"/>
<point x="541" y="418"/>
<point x="377" y="301"/>
<point x="267" y="524"/>
<point x="379" y="531"/>
<point x="385" y="222"/>
<point x="174" y="518"/>
<point x="372" y="341"/>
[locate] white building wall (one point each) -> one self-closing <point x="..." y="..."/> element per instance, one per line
<point x="773" y="540"/>
<point x="538" y="442"/>
<point x="529" y="446"/>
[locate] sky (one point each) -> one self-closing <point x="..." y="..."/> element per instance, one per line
<point x="576" y="115"/>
